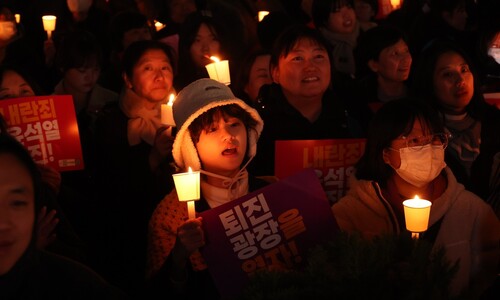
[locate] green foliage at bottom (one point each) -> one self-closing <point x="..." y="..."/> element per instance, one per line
<point x="387" y="267"/>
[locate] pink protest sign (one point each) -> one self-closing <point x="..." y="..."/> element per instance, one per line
<point x="271" y="228"/>
<point x="47" y="127"/>
<point x="333" y="161"/>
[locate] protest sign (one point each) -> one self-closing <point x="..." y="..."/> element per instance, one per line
<point x="333" y="161"/>
<point x="492" y="99"/>
<point x="47" y="127"/>
<point x="272" y="228"/>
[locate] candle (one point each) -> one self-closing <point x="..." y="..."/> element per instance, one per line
<point x="159" y="26"/>
<point x="49" y="24"/>
<point x="395" y="3"/>
<point x="167" y="116"/>
<point x="187" y="186"/>
<point x="219" y="70"/>
<point x="417" y="213"/>
<point x="18" y="18"/>
<point x="262" y="14"/>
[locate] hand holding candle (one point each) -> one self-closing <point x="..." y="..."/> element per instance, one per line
<point x="167" y="116"/>
<point x="49" y="25"/>
<point x="219" y="70"/>
<point x="187" y="186"/>
<point x="417" y="213"/>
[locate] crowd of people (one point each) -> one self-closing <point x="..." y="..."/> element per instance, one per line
<point x="411" y="81"/>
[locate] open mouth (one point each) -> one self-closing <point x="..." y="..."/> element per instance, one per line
<point x="230" y="151"/>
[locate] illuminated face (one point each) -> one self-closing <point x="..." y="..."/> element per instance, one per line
<point x="205" y="45"/>
<point x="17" y="211"/>
<point x="342" y="21"/>
<point x="305" y="71"/>
<point x="393" y="63"/>
<point x="81" y="80"/>
<point x="14" y="86"/>
<point x="152" y="76"/>
<point x="453" y="82"/>
<point x="222" y="147"/>
<point x="259" y="75"/>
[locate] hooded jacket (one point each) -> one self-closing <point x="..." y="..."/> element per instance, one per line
<point x="469" y="232"/>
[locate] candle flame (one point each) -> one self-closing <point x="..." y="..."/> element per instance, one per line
<point x="190" y="170"/>
<point x="171" y="100"/>
<point x="416" y="197"/>
<point x="215" y="58"/>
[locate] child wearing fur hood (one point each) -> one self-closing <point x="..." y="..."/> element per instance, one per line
<point x="217" y="135"/>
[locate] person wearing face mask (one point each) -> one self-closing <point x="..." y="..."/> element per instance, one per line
<point x="404" y="157"/>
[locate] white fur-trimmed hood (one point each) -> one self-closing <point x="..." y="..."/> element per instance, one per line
<point x="196" y="99"/>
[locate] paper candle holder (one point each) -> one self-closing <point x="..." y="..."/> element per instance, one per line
<point x="187" y="185"/>
<point x="262" y="14"/>
<point x="159" y="26"/>
<point x="167" y="115"/>
<point x="417" y="213"/>
<point x="219" y="70"/>
<point x="49" y="24"/>
<point x="395" y="4"/>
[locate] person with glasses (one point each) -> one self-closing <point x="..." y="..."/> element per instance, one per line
<point x="404" y="158"/>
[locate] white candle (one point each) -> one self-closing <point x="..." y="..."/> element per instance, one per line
<point x="187" y="186"/>
<point x="395" y="3"/>
<point x="159" y="26"/>
<point x="18" y="18"/>
<point x="219" y="70"/>
<point x="417" y="213"/>
<point x="49" y="24"/>
<point x="167" y="116"/>
<point x="262" y="14"/>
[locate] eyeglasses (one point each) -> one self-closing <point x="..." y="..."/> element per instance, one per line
<point x="417" y="143"/>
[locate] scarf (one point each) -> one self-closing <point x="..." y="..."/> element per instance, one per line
<point x="143" y="122"/>
<point x="465" y="140"/>
<point x="343" y="47"/>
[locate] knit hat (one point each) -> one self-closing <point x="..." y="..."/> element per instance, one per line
<point x="196" y="99"/>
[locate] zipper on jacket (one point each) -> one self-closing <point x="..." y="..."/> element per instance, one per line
<point x="388" y="208"/>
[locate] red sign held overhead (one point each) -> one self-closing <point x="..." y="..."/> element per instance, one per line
<point x="47" y="127"/>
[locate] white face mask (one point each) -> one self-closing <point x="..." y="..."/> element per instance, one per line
<point x="79" y="5"/>
<point x="419" y="167"/>
<point x="495" y="53"/>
